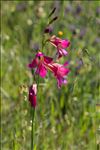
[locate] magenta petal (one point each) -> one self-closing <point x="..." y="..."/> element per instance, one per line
<point x="42" y="71"/>
<point x="63" y="81"/>
<point x="61" y="52"/>
<point x="47" y="59"/>
<point x="63" y="71"/>
<point x="66" y="63"/>
<point x="65" y="43"/>
<point x="55" y="42"/>
<point x="32" y="64"/>
<point x="60" y="81"/>
<point x="67" y="71"/>
<point x="39" y="54"/>
<point x="64" y="52"/>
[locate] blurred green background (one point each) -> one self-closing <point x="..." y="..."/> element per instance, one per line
<point x="65" y="119"/>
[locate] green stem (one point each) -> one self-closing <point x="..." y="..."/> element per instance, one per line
<point x="43" y="42"/>
<point x="32" y="129"/>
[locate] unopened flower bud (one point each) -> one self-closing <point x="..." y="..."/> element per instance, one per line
<point x="32" y="95"/>
<point x="48" y="30"/>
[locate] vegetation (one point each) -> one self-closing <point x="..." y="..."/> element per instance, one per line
<point x="66" y="118"/>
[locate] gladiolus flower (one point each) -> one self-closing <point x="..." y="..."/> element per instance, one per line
<point x="40" y="63"/>
<point x="60" y="45"/>
<point x="59" y="72"/>
<point x="43" y="63"/>
<point x="32" y="95"/>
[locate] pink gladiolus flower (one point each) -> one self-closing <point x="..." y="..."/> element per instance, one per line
<point x="32" y="95"/>
<point x="59" y="72"/>
<point x="40" y="63"/>
<point x="43" y="63"/>
<point x="60" y="45"/>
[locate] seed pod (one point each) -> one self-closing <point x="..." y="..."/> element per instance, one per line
<point x="55" y="18"/>
<point x="52" y="12"/>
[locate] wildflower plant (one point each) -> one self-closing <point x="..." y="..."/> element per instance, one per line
<point x="41" y="64"/>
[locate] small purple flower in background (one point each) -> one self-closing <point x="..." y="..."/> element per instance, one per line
<point x="79" y="66"/>
<point x="73" y="29"/>
<point x="32" y="95"/>
<point x="82" y="33"/>
<point x="98" y="10"/>
<point x="78" y="10"/>
<point x="96" y="41"/>
<point x="68" y="9"/>
<point x="34" y="46"/>
<point x="22" y="6"/>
